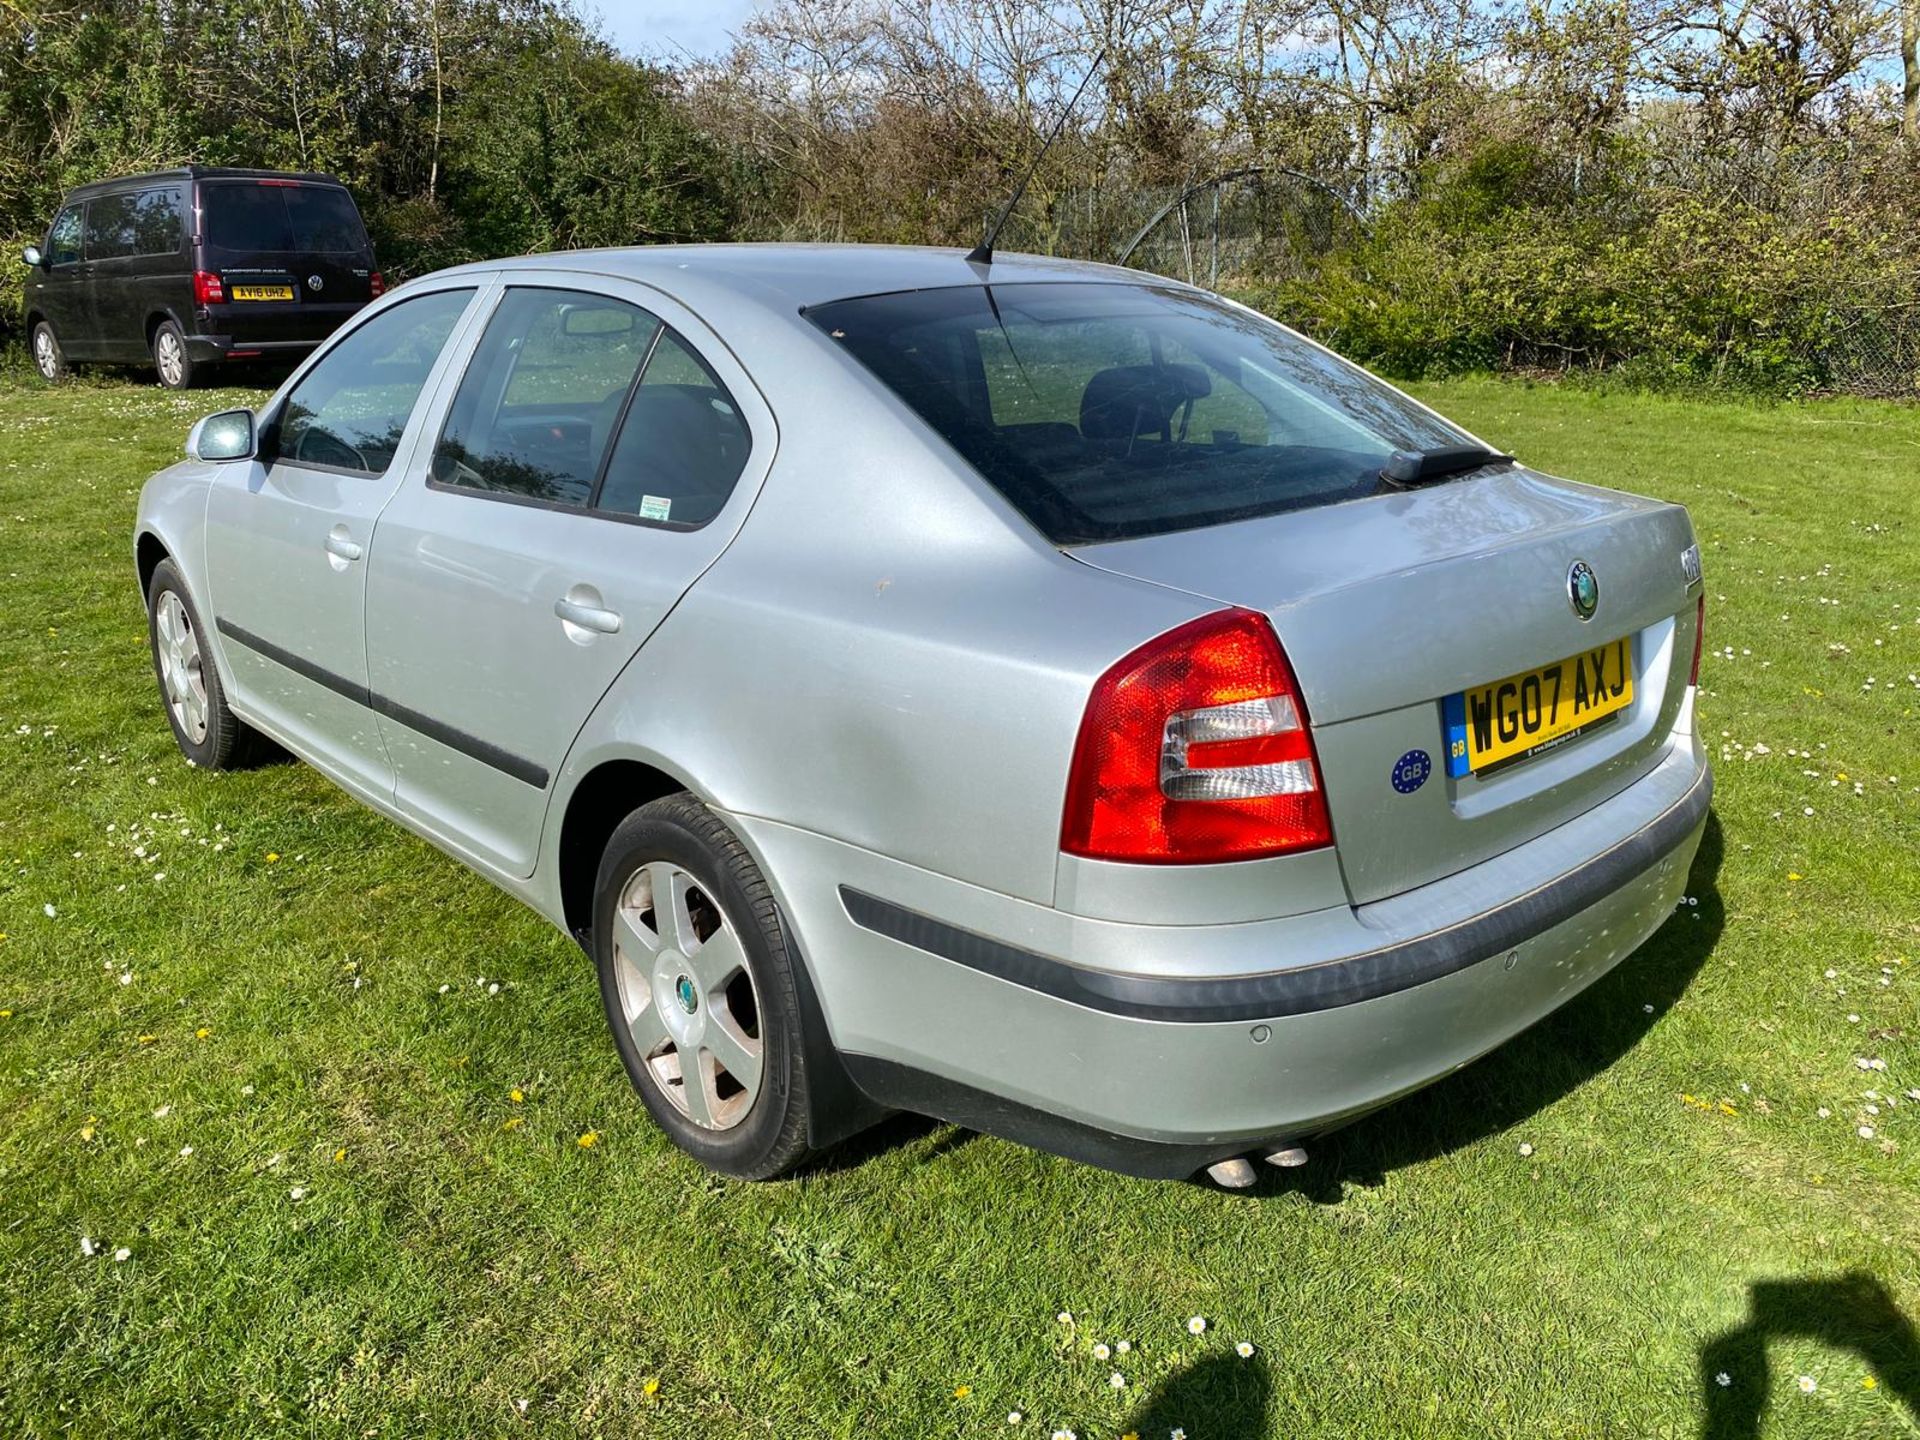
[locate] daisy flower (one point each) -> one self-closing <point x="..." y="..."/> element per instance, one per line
<point x="1197" y="1325"/>
<point x="1807" y="1384"/>
<point x="1123" y="1347"/>
<point x="1723" y="1379"/>
<point x="1101" y="1352"/>
<point x="1117" y="1381"/>
<point x="123" y="1253"/>
<point x="1244" y="1350"/>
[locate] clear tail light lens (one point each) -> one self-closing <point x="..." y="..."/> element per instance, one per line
<point x="207" y="289"/>
<point x="1195" y="749"/>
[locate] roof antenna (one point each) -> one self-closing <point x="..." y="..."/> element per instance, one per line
<point x="982" y="254"/>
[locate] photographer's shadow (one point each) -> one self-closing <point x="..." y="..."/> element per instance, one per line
<point x="1219" y="1397"/>
<point x="1850" y="1312"/>
<point x="1533" y="1069"/>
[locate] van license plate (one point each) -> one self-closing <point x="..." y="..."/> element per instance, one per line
<point x="262" y="292"/>
<point x="1492" y="726"/>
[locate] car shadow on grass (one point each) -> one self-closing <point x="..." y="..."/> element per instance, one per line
<point x="1218" y="1397"/>
<point x="1532" y="1070"/>
<point x="1851" y="1312"/>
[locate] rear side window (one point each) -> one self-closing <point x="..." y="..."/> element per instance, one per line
<point x="1107" y="411"/>
<point x="349" y="411"/>
<point x="280" y="219"/>
<point x="156" y="222"/>
<point x="63" y="237"/>
<point x="682" y="445"/>
<point x="537" y="408"/>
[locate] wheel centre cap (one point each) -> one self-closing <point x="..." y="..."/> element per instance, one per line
<point x="684" y="992"/>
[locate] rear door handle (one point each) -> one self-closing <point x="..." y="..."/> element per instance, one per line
<point x="339" y="543"/>
<point x="587" y="617"/>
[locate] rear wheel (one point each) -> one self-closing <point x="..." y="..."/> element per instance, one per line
<point x="170" y="359"/>
<point x="699" y="989"/>
<point x="48" y="358"/>
<point x="210" y="734"/>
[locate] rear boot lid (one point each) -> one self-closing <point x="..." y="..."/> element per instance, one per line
<point x="1390" y="605"/>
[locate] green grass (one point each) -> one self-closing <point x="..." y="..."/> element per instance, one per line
<point x="456" y="1253"/>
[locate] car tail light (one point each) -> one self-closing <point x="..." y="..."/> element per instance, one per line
<point x="1194" y="748"/>
<point x="207" y="289"/>
<point x="377" y="283"/>
<point x="1699" y="639"/>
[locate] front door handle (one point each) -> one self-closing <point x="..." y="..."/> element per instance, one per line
<point x="341" y="544"/>
<point x="587" y="617"/>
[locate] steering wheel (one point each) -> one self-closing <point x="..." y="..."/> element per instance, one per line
<point x="319" y="446"/>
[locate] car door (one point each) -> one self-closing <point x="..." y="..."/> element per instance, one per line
<point x="107" y="277"/>
<point x="57" y="290"/>
<point x="287" y="533"/>
<point x="599" y="452"/>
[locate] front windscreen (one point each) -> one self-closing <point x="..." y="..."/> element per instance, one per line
<point x="281" y="219"/>
<point x="1108" y="411"/>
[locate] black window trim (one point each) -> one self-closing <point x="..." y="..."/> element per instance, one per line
<point x="588" y="510"/>
<point x="270" y="431"/>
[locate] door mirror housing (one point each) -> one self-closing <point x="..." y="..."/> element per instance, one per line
<point x="32" y="257"/>
<point x="229" y="435"/>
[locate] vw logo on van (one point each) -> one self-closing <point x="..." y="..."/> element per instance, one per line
<point x="314" y="282"/>
<point x="1583" y="589"/>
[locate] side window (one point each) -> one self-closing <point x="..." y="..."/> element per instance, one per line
<point x="541" y="397"/>
<point x="110" y="227"/>
<point x="63" y="237"/>
<point x="350" y="410"/>
<point x="156" y="222"/>
<point x="682" y="446"/>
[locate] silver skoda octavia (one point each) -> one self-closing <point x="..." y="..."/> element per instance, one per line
<point x="1033" y="694"/>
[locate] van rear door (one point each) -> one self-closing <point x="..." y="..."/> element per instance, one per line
<point x="292" y="256"/>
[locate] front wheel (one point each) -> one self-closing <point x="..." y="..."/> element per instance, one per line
<point x="699" y="989"/>
<point x="210" y="734"/>
<point x="48" y="358"/>
<point x="170" y="359"/>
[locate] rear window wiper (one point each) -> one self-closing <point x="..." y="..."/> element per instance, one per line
<point x="1406" y="468"/>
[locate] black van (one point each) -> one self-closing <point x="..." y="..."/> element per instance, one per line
<point x="187" y="267"/>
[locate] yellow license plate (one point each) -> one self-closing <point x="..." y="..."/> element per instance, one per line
<point x="262" y="292"/>
<point x="1492" y="726"/>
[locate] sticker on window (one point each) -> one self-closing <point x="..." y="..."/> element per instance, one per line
<point x="654" y="507"/>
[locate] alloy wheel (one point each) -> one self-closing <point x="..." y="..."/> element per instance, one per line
<point x="181" y="669"/>
<point x="687" y="994"/>
<point x="168" y="357"/>
<point x="45" y="355"/>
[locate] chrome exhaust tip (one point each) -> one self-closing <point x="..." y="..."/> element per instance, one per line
<point x="1234" y="1174"/>
<point x="1288" y="1159"/>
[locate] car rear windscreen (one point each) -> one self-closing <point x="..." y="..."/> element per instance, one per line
<point x="1109" y="411"/>
<point x="280" y="219"/>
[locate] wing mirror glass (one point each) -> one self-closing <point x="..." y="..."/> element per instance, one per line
<point x="31" y="256"/>
<point x="226" y="436"/>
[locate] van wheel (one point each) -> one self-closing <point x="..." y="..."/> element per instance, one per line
<point x="170" y="358"/>
<point x="699" y="989"/>
<point x="48" y="358"/>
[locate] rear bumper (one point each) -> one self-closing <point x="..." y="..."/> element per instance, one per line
<point x="1189" y="1043"/>
<point x="266" y="329"/>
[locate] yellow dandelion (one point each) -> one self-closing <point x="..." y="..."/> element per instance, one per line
<point x="513" y="1123"/>
<point x="960" y="1392"/>
<point x="339" y="1155"/>
<point x="202" y="1033"/>
<point x="590" y="1139"/>
<point x="515" y="1096"/>
<point x="650" y="1388"/>
<point x="1867" y="1382"/>
<point x="6" y="1014"/>
<point x="144" y="1040"/>
<point x="86" y="1132"/>
<point x="273" y="857"/>
<point x="1794" y="875"/>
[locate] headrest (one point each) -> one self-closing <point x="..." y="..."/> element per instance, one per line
<point x="1130" y="400"/>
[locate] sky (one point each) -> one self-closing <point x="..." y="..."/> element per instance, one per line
<point x="666" y="28"/>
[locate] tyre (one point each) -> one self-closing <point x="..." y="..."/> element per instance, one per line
<point x="170" y="359"/>
<point x="48" y="358"/>
<point x="210" y="734"/>
<point x="699" y="989"/>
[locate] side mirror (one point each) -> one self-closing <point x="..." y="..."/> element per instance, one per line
<point x="226" y="436"/>
<point x="32" y="257"/>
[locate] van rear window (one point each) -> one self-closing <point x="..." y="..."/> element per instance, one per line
<point x="281" y="219"/>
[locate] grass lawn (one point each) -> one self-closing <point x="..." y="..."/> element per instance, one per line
<point x="250" y="1034"/>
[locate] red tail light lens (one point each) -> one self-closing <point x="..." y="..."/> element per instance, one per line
<point x="1194" y="749"/>
<point x="377" y="283"/>
<point x="1699" y="639"/>
<point x="207" y="289"/>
